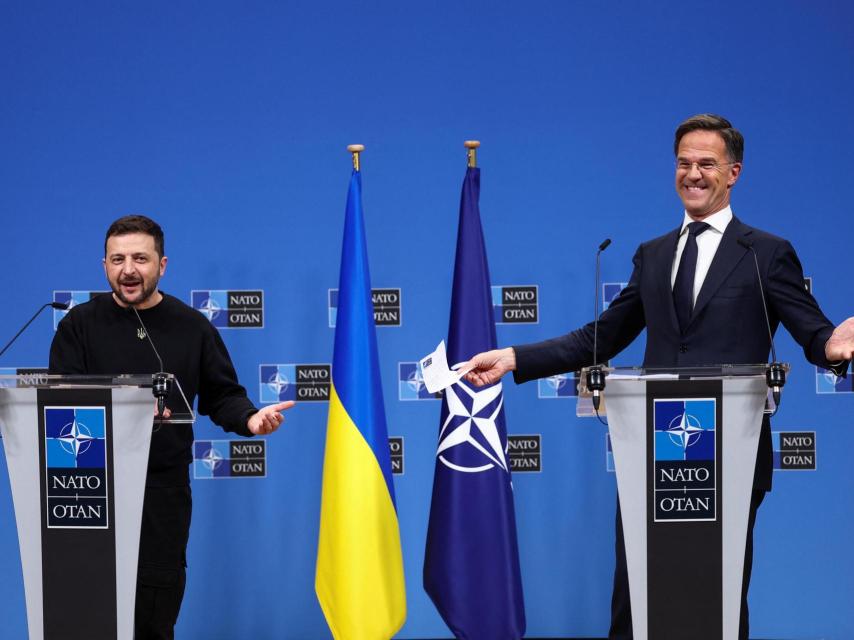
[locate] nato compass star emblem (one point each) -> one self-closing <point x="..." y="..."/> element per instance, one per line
<point x="831" y="378"/>
<point x="684" y="430"/>
<point x="212" y="459"/>
<point x="278" y="382"/>
<point x="556" y="382"/>
<point x="416" y="380"/>
<point x="210" y="309"/>
<point x="471" y="424"/>
<point x="75" y="438"/>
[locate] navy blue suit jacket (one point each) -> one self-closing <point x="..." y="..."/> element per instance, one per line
<point x="727" y="327"/>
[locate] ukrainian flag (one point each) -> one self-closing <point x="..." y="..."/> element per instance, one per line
<point x="359" y="579"/>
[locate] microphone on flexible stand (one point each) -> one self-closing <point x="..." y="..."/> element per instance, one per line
<point x="775" y="374"/>
<point x="59" y="306"/>
<point x="596" y="374"/>
<point x="161" y="382"/>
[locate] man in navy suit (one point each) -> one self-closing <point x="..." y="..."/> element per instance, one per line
<point x="695" y="291"/>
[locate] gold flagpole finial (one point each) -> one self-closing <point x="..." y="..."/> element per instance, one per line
<point x="355" y="149"/>
<point x="472" y="146"/>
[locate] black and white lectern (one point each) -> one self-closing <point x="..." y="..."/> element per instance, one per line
<point x="77" y="452"/>
<point x="684" y="445"/>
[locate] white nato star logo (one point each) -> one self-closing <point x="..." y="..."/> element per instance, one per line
<point x="75" y="438"/>
<point x="684" y="430"/>
<point x="212" y="459"/>
<point x="210" y="308"/>
<point x="556" y="382"/>
<point x="462" y="433"/>
<point x="416" y="380"/>
<point x="278" y="383"/>
<point x="831" y="378"/>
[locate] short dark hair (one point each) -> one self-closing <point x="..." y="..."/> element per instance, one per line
<point x="136" y="224"/>
<point x="731" y="136"/>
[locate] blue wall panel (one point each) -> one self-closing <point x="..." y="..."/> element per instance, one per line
<point x="227" y="123"/>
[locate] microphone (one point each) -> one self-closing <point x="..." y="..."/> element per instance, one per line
<point x="775" y="374"/>
<point x="162" y="384"/>
<point x="595" y="374"/>
<point x="60" y="306"/>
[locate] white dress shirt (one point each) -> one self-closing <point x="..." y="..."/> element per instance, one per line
<point x="707" y="245"/>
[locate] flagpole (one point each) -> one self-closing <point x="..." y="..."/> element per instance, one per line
<point x="472" y="146"/>
<point x="356" y="149"/>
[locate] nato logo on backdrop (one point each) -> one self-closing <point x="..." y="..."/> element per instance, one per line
<point x="516" y="304"/>
<point x="410" y="383"/>
<point x="794" y="450"/>
<point x="562" y="385"/>
<point x="72" y="299"/>
<point x="828" y="382"/>
<point x="75" y="441"/>
<point x="395" y="449"/>
<point x="218" y="459"/>
<point x="611" y="290"/>
<point x="684" y="459"/>
<point x="386" y="302"/>
<point x="301" y="382"/>
<point x="230" y="309"/>
<point x="525" y="453"/>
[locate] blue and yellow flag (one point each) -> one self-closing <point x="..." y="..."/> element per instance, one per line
<point x="359" y="580"/>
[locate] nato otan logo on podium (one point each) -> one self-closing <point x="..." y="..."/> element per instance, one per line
<point x="230" y="309"/>
<point x="26" y="376"/>
<point x="828" y="382"/>
<point x="220" y="459"/>
<point x="684" y="459"/>
<point x="72" y="299"/>
<point x="516" y="304"/>
<point x="300" y="382"/>
<point x="410" y="383"/>
<point x="75" y="441"/>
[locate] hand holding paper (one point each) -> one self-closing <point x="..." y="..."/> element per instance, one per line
<point x="437" y="374"/>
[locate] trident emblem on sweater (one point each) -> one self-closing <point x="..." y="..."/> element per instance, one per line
<point x="140" y="333"/>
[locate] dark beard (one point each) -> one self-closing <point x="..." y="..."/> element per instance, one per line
<point x="147" y="292"/>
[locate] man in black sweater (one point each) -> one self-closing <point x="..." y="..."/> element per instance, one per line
<point x="104" y="336"/>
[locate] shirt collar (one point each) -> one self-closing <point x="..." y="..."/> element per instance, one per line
<point x="717" y="221"/>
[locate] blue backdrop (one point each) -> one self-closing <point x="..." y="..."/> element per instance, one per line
<point x="227" y="123"/>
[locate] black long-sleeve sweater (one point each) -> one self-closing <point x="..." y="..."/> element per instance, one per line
<point x="101" y="337"/>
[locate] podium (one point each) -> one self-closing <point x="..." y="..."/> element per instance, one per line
<point x="77" y="454"/>
<point x="684" y="443"/>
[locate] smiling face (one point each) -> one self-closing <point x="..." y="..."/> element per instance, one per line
<point x="704" y="173"/>
<point x="133" y="269"/>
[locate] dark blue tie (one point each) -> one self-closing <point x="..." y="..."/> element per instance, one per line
<point x="683" y="287"/>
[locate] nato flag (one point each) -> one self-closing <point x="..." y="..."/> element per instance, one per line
<point x="471" y="565"/>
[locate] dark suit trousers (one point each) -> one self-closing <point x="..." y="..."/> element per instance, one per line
<point x="621" y="610"/>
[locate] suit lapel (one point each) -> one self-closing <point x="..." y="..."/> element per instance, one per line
<point x="726" y="257"/>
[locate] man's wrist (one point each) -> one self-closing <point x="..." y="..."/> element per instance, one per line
<point x="510" y="357"/>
